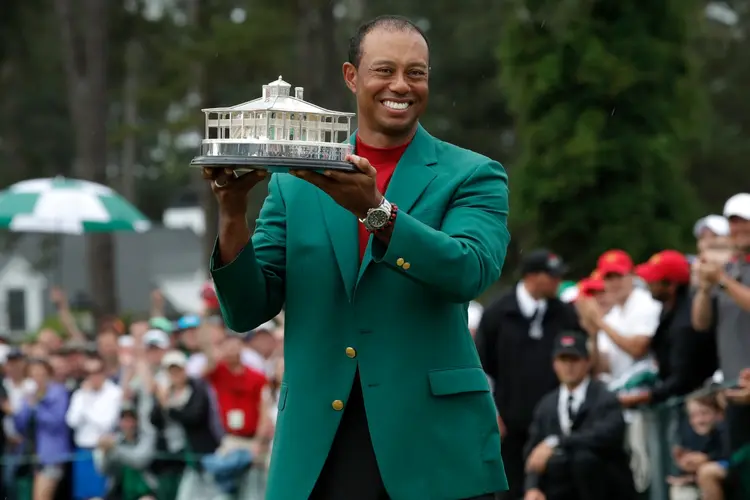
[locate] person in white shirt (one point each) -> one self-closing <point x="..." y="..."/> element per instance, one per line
<point x="625" y="332"/>
<point x="93" y="412"/>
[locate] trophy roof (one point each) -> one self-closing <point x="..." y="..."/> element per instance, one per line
<point x="279" y="83"/>
<point x="281" y="103"/>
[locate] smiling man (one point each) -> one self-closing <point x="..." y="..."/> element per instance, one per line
<point x="383" y="394"/>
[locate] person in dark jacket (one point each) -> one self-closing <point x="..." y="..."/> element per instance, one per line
<point x="576" y="447"/>
<point x="189" y="403"/>
<point x="515" y="340"/>
<point x="685" y="357"/>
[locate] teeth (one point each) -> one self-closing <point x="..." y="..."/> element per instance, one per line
<point x="395" y="105"/>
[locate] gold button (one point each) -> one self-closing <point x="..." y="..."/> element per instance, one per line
<point x="406" y="266"/>
<point x="351" y="352"/>
<point x="399" y="262"/>
<point x="338" y="405"/>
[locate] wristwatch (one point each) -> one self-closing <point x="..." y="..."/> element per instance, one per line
<point x="379" y="217"/>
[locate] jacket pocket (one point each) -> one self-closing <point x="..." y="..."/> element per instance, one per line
<point x="457" y="381"/>
<point x="283" y="390"/>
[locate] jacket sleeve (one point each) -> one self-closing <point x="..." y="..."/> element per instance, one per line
<point x="536" y="436"/>
<point x="250" y="289"/>
<point x="683" y="354"/>
<point x="466" y="254"/>
<point x="607" y="431"/>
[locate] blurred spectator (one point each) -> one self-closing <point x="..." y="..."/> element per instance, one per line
<point x="710" y="229"/>
<point x="701" y="452"/>
<point x="124" y="458"/>
<point x="46" y="437"/>
<point x="186" y="332"/>
<point x="187" y="403"/>
<point x="515" y="341"/>
<point x="18" y="388"/>
<point x="93" y="413"/>
<point x="626" y="330"/>
<point x="474" y="313"/>
<point x="685" y="358"/>
<point x="575" y="448"/>
<point x="723" y="302"/>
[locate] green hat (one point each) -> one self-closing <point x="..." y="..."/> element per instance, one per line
<point x="161" y="323"/>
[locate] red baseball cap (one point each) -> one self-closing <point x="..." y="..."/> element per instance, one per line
<point x="614" y="262"/>
<point x="668" y="265"/>
<point x="593" y="283"/>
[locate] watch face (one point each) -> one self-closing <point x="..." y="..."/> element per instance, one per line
<point x="377" y="218"/>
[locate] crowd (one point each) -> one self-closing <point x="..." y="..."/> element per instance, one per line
<point x="161" y="410"/>
<point x="579" y="371"/>
<point x="184" y="409"/>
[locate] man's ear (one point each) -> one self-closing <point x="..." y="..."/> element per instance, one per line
<point x="350" y="76"/>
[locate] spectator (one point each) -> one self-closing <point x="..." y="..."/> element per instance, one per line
<point x="723" y="301"/>
<point x="625" y="332"/>
<point x="186" y="332"/>
<point x="710" y="230"/>
<point x="515" y="341"/>
<point x="41" y="422"/>
<point x="575" y="449"/>
<point x="94" y="409"/>
<point x="125" y="457"/>
<point x="685" y="359"/>
<point x="701" y="453"/>
<point x="18" y="388"/>
<point x="188" y="404"/>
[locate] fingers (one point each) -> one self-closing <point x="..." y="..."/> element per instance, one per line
<point x="324" y="182"/>
<point x="227" y="180"/>
<point x="362" y="164"/>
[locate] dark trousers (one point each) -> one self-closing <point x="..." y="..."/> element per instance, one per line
<point x="351" y="471"/>
<point x="738" y="425"/>
<point x="512" y="451"/>
<point x="584" y="476"/>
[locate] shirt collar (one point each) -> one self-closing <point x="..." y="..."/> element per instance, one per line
<point x="528" y="304"/>
<point x="579" y="393"/>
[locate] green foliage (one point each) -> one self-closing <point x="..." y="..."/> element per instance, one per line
<point x="608" y="107"/>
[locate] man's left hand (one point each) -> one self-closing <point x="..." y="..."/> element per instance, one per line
<point x="539" y="457"/>
<point x="632" y="400"/>
<point x="355" y="191"/>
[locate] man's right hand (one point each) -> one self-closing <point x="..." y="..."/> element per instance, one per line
<point x="534" y="494"/>
<point x="231" y="191"/>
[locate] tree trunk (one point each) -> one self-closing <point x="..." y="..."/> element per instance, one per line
<point x="84" y="31"/>
<point x="128" y="158"/>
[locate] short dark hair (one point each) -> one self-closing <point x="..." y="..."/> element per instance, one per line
<point x="388" y="22"/>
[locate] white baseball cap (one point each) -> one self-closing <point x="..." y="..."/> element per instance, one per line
<point x="156" y="338"/>
<point x="717" y="224"/>
<point x="738" y="206"/>
<point x="174" y="358"/>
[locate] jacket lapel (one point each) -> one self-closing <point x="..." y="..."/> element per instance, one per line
<point x="413" y="174"/>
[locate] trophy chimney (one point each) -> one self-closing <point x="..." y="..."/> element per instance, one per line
<point x="266" y="93"/>
<point x="299" y="93"/>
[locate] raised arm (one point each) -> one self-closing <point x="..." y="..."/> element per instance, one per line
<point x="250" y="286"/>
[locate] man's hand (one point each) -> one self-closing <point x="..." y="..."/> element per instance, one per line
<point x="691" y="460"/>
<point x="680" y="480"/>
<point x="534" y="494"/>
<point x="106" y="442"/>
<point x="589" y="312"/>
<point x="355" y="191"/>
<point x="636" y="399"/>
<point x="231" y="191"/>
<point x="539" y="457"/>
<point x="709" y="273"/>
<point x="741" y="395"/>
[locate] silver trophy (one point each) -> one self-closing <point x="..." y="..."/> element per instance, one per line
<point x="276" y="132"/>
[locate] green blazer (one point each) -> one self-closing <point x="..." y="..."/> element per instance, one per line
<point x="400" y="316"/>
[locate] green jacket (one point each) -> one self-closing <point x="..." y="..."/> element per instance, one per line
<point x="401" y="317"/>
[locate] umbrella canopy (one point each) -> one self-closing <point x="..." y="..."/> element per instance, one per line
<point x="60" y="205"/>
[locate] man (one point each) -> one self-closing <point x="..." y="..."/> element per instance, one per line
<point x="685" y="359"/>
<point x="515" y="341"/>
<point x="625" y="331"/>
<point x="376" y="311"/>
<point x="723" y="300"/>
<point x="575" y="449"/>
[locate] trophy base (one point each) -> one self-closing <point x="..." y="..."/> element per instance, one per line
<point x="271" y="163"/>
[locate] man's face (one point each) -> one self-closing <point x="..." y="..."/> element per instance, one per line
<point x="571" y="370"/>
<point x="739" y="229"/>
<point x="618" y="286"/>
<point x="231" y="349"/>
<point x="189" y="339"/>
<point x="263" y="343"/>
<point x="106" y="343"/>
<point x="49" y="339"/>
<point x="391" y="83"/>
<point x="95" y="373"/>
<point x="544" y="284"/>
<point x="154" y="355"/>
<point x="661" y="290"/>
